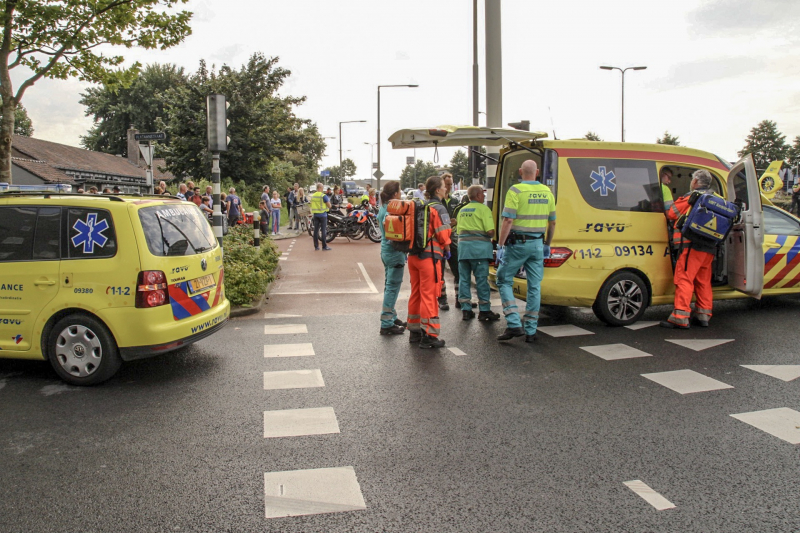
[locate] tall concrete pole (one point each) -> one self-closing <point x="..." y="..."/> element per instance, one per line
<point x="475" y="91"/>
<point x="494" y="83"/>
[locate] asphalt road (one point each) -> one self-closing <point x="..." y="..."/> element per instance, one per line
<point x="510" y="437"/>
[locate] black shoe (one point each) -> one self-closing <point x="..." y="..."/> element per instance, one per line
<point x="530" y="338"/>
<point x="467" y="315"/>
<point x="398" y="322"/>
<point x="488" y="316"/>
<point x="431" y="342"/>
<point x="698" y="322"/>
<point x="327" y="248"/>
<point x="393" y="330"/>
<point x="669" y="325"/>
<point x="444" y="306"/>
<point x="414" y="336"/>
<point x="510" y="333"/>
<point x="474" y="305"/>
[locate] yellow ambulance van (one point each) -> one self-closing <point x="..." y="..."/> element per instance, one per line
<point x="611" y="250"/>
<point x="88" y="281"/>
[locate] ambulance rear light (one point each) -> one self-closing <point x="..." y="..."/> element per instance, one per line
<point x="558" y="256"/>
<point x="151" y="289"/>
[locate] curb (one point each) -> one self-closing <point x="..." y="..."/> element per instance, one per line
<point x="258" y="303"/>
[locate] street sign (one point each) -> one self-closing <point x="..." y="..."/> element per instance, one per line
<point x="154" y="136"/>
<point x="374" y="165"/>
<point x="378" y="174"/>
<point x="410" y="160"/>
<point x="147" y="153"/>
<point x="325" y="173"/>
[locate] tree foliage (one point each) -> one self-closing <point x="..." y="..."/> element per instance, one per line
<point x="794" y="152"/>
<point x="263" y="126"/>
<point x="22" y="122"/>
<point x="668" y="139"/>
<point x="592" y="136"/>
<point x="766" y="144"/>
<point x="347" y="170"/>
<point x="459" y="167"/>
<point x="413" y="175"/>
<point x="115" y="109"/>
<point x="60" y="39"/>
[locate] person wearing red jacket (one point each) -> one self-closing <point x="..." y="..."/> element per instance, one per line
<point x="693" y="268"/>
<point x="424" y="269"/>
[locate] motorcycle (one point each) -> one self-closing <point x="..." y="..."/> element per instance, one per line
<point x="353" y="224"/>
<point x="368" y="222"/>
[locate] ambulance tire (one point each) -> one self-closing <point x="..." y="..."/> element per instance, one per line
<point x="82" y="351"/>
<point x="622" y="300"/>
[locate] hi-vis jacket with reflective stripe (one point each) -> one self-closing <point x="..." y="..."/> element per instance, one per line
<point x="318" y="206"/>
<point x="531" y="205"/>
<point x="438" y="230"/>
<point x="474" y="224"/>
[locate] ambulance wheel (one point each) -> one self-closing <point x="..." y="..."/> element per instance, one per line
<point x="82" y="350"/>
<point x="622" y="300"/>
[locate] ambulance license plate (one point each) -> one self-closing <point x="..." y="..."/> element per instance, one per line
<point x="202" y="283"/>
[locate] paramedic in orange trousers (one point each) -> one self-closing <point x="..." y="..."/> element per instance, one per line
<point x="693" y="268"/>
<point x="425" y="271"/>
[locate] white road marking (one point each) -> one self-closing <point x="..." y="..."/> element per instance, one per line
<point x="289" y="350"/>
<point x="686" y="381"/>
<point x="641" y="325"/>
<point x="564" y="331"/>
<point x="277" y="315"/>
<point x="612" y="352"/>
<point x="783" y="372"/>
<point x="285" y="329"/>
<point x="649" y="495"/>
<point x="782" y="422"/>
<point x="49" y="390"/>
<point x="699" y="344"/>
<point x="366" y="277"/>
<point x="294" y="241"/>
<point x="285" y="254"/>
<point x="456" y="351"/>
<point x="315" y="491"/>
<point x="300" y="422"/>
<point x="282" y="258"/>
<point x="293" y="379"/>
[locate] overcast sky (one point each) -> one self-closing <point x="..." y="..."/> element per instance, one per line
<point x="714" y="68"/>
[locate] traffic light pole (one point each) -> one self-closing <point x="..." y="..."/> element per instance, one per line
<point x="216" y="108"/>
<point x="216" y="218"/>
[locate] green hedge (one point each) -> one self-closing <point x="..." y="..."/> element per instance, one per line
<point x="248" y="271"/>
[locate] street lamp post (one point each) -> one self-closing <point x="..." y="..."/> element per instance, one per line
<point x="371" y="159"/>
<point x="622" y="70"/>
<point x="379" y="128"/>
<point x="340" y="144"/>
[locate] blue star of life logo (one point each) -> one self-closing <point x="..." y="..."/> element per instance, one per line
<point x="90" y="233"/>
<point x="603" y="181"/>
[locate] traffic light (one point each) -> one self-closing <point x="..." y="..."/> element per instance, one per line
<point x="218" y="122"/>
<point x="524" y="125"/>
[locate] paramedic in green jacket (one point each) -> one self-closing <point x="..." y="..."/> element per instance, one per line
<point x="475" y="234"/>
<point x="529" y="222"/>
<point x="394" y="263"/>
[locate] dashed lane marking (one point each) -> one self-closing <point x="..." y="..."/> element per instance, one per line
<point x="282" y="258"/>
<point x="293" y="379"/>
<point x="289" y="350"/>
<point x="455" y="351"/>
<point x="782" y="422"/>
<point x="278" y="315"/>
<point x="285" y="329"/>
<point x="783" y="372"/>
<point x="316" y="491"/>
<point x="300" y="422"/>
<point x="686" y="381"/>
<point x="564" y="331"/>
<point x="641" y="325"/>
<point x="612" y="352"/>
<point x="699" y="344"/>
<point x="649" y="495"/>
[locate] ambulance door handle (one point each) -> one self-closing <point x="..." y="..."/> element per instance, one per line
<point x="44" y="282"/>
<point x="773" y="245"/>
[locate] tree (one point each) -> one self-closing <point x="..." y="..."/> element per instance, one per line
<point x="22" y="122"/>
<point x="115" y="109"/>
<point x="668" y="139"/>
<point x="592" y="136"/>
<point x="263" y="126"/>
<point x="766" y="144"/>
<point x="793" y="153"/>
<point x="412" y="176"/>
<point x="459" y="167"/>
<point x="59" y="40"/>
<point x="348" y="168"/>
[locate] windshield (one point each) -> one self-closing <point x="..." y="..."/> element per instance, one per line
<point x="176" y="230"/>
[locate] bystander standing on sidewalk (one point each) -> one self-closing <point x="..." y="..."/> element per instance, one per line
<point x="275" y="205"/>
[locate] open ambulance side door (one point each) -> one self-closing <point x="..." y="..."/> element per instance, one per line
<point x="744" y="246"/>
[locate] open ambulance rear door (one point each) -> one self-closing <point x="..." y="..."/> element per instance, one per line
<point x="744" y="247"/>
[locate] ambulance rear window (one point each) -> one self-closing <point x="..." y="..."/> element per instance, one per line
<point x="172" y="230"/>
<point x="618" y="184"/>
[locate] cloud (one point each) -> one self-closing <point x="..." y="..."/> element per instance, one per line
<point x="721" y="16"/>
<point x="401" y="55"/>
<point x="709" y="70"/>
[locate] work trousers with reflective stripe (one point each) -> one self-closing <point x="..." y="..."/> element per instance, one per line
<point x="479" y="267"/>
<point x="692" y="275"/>
<point x="394" y="264"/>
<point x="423" y="307"/>
<point x="528" y="254"/>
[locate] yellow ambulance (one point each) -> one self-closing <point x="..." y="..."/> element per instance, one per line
<point x="89" y="281"/>
<point x="611" y="250"/>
